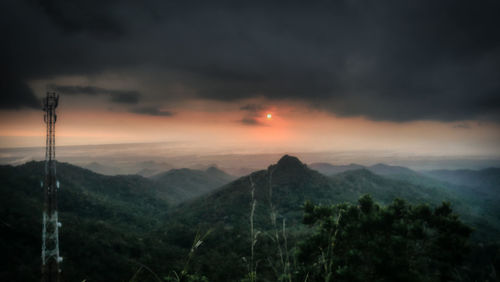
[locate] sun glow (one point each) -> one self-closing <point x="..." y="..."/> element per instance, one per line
<point x="269" y="116"/>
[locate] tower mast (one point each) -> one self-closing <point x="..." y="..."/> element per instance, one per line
<point x="50" y="226"/>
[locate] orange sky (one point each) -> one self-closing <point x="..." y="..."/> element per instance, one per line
<point x="205" y="124"/>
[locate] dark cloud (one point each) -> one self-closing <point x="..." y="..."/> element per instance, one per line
<point x="250" y="121"/>
<point x="83" y="16"/>
<point x="252" y="108"/>
<point x="251" y="113"/>
<point x="152" y="111"/>
<point x="15" y="94"/>
<point x="390" y="60"/>
<point x="117" y="96"/>
<point x="462" y="125"/>
<point x="127" y="97"/>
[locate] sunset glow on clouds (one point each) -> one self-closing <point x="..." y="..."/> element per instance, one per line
<point x="292" y="127"/>
<point x="334" y="76"/>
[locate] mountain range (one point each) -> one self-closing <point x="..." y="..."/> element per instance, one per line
<point x="286" y="185"/>
<point x="127" y="220"/>
<point x="380" y="169"/>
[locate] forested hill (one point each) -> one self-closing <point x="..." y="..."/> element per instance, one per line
<point x="286" y="185"/>
<point x="103" y="218"/>
<point x="82" y="190"/>
<point x="185" y="184"/>
<point x="483" y="181"/>
<point x="113" y="226"/>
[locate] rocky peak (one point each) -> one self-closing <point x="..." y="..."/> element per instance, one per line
<point x="287" y="162"/>
<point x="289" y="168"/>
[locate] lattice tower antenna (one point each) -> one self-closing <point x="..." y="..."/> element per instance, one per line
<point x="50" y="227"/>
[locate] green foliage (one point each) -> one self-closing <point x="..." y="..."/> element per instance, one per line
<point x="399" y="242"/>
<point x="118" y="228"/>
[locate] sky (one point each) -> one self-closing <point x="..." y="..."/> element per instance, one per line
<point x="412" y="77"/>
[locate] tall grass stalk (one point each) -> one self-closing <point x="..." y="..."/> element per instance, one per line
<point x="142" y="266"/>
<point x="273" y="215"/>
<point x="198" y="240"/>
<point x="283" y="255"/>
<point x="252" y="268"/>
<point x="326" y="259"/>
<point x="287" y="269"/>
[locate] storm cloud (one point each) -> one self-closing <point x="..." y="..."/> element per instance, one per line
<point x="384" y="60"/>
<point x="251" y="114"/>
<point x="152" y="111"/>
<point x="15" y="94"/>
<point x="115" y="95"/>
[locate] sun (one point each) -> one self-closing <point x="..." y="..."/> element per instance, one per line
<point x="269" y="116"/>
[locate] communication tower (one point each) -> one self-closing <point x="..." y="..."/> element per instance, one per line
<point x="50" y="224"/>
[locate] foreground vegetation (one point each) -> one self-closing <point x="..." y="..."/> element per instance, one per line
<point x="399" y="242"/>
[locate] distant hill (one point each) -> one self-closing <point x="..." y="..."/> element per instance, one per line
<point x="329" y="169"/>
<point x="240" y="171"/>
<point x="102" y="169"/>
<point x="145" y="168"/>
<point x="385" y="190"/>
<point x="184" y="184"/>
<point x="485" y="180"/>
<point x="390" y="170"/>
<point x="380" y="169"/>
<point x="150" y="168"/>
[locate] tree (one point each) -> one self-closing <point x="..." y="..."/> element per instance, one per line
<point x="367" y="242"/>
